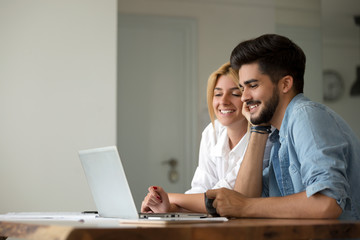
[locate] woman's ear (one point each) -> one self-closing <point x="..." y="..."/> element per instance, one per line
<point x="286" y="83"/>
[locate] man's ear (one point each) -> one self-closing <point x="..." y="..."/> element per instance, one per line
<point x="286" y="83"/>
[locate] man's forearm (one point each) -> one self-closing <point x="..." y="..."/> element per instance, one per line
<point x="249" y="179"/>
<point x="292" y="206"/>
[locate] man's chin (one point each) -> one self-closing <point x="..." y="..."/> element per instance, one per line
<point x="255" y="121"/>
<point x="260" y="120"/>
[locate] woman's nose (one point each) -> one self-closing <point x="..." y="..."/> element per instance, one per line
<point x="224" y="99"/>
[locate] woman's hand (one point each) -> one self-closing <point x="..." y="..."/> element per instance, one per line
<point x="156" y="201"/>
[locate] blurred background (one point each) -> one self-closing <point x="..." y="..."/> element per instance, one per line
<point x="82" y="74"/>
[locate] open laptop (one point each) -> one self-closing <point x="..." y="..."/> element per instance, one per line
<point x="111" y="192"/>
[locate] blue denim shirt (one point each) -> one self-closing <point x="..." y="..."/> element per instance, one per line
<point x="315" y="151"/>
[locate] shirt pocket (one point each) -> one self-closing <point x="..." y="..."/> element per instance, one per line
<point x="296" y="178"/>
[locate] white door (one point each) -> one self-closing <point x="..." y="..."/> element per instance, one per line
<point x="157" y="107"/>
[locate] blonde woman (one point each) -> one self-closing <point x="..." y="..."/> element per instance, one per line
<point x="222" y="148"/>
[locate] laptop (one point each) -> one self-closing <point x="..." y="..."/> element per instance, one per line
<point x="111" y="192"/>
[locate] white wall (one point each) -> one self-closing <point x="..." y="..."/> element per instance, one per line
<point x="300" y="20"/>
<point x="222" y="24"/>
<point x="340" y="57"/>
<point x="341" y="51"/>
<point x="57" y="95"/>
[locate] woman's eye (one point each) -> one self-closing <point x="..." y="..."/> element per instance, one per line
<point x="237" y="94"/>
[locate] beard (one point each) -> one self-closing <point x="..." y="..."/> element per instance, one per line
<point x="268" y="110"/>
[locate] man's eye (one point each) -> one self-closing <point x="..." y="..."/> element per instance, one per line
<point x="253" y="86"/>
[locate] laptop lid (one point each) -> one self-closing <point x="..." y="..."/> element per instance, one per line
<point x="108" y="184"/>
<point x="111" y="192"/>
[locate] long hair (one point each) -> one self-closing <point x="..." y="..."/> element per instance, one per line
<point x="225" y="70"/>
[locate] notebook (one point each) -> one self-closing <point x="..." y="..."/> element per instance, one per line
<point x="111" y="192"/>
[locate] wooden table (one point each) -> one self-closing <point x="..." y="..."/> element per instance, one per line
<point x="234" y="229"/>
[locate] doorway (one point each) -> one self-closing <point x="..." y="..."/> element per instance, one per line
<point x="157" y="102"/>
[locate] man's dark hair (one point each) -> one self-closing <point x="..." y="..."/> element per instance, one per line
<point x="276" y="55"/>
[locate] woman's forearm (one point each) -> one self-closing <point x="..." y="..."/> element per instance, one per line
<point x="187" y="202"/>
<point x="249" y="179"/>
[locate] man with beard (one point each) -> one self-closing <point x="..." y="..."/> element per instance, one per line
<point x="315" y="158"/>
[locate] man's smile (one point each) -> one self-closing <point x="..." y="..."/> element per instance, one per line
<point x="252" y="105"/>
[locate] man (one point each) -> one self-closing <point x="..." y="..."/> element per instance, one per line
<point x="314" y="169"/>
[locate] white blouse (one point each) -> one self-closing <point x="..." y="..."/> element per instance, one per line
<point x="218" y="165"/>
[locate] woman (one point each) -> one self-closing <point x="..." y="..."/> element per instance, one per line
<point x="222" y="148"/>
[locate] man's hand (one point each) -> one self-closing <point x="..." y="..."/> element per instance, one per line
<point x="246" y="112"/>
<point x="228" y="203"/>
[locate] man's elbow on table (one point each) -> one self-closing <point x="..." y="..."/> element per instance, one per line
<point x="329" y="209"/>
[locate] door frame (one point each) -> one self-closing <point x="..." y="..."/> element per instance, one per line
<point x="189" y="28"/>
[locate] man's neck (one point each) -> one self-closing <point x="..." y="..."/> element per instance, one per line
<point x="281" y="109"/>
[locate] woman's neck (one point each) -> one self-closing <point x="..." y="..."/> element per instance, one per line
<point x="236" y="132"/>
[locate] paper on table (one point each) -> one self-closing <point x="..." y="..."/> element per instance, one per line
<point x="75" y="216"/>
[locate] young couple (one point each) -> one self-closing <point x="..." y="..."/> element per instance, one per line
<point x="313" y="167"/>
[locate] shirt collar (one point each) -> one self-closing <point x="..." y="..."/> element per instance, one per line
<point x="222" y="147"/>
<point x="289" y="111"/>
<point x="274" y="137"/>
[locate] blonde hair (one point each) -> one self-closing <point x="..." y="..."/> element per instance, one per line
<point x="224" y="70"/>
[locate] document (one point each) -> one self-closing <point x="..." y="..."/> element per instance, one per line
<point x="67" y="216"/>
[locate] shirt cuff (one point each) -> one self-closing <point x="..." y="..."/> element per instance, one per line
<point x="338" y="194"/>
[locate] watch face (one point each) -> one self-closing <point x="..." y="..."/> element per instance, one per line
<point x="333" y="85"/>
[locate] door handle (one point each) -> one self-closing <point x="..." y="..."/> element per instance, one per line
<point x="173" y="174"/>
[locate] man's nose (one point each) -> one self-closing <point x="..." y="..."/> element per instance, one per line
<point x="245" y="96"/>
